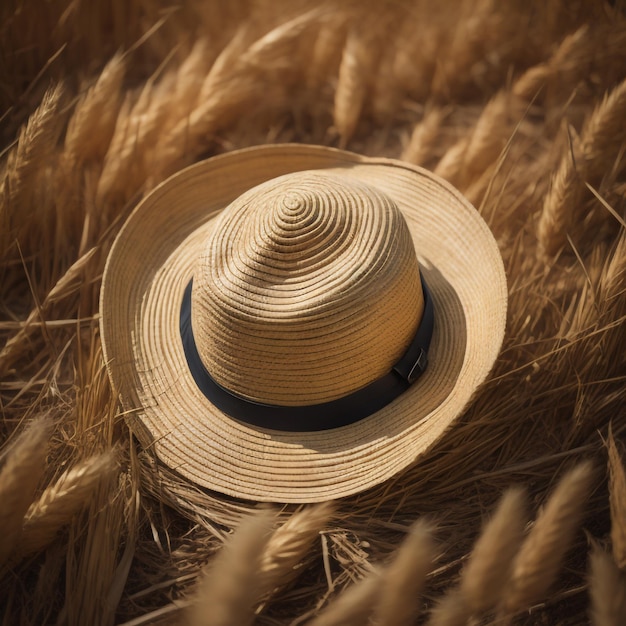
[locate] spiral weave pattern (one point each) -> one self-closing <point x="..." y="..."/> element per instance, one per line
<point x="308" y="289"/>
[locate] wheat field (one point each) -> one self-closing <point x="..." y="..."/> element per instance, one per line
<point x="518" y="514"/>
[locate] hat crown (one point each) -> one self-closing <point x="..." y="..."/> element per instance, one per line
<point x="307" y="290"/>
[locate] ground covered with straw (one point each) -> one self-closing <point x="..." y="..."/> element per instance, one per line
<point x="518" y="515"/>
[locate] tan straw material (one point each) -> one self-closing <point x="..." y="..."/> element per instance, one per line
<point x="305" y="289"/>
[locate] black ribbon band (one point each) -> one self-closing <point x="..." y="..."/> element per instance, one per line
<point x="340" y="412"/>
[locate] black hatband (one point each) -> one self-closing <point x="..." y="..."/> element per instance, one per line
<point x="339" y="412"/>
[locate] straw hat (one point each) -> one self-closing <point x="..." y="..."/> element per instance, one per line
<point x="267" y="316"/>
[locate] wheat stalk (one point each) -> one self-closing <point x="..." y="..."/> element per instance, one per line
<point x="23" y="468"/>
<point x="96" y="565"/>
<point x="450" y="165"/>
<point x="386" y="90"/>
<point x="289" y="544"/>
<point x="563" y="195"/>
<point x="537" y="563"/>
<point x="600" y="142"/>
<point x="535" y="78"/>
<point x="487" y="572"/>
<point x="36" y="142"/>
<point x="231" y="84"/>
<point x="418" y="43"/>
<point x="607" y="590"/>
<point x="357" y="64"/>
<point x="228" y="589"/>
<point x="194" y="67"/>
<point x="398" y="601"/>
<point x="617" y="499"/>
<point x="604" y="133"/>
<point x="135" y="155"/>
<point x="91" y="126"/>
<point x="59" y="502"/>
<point x="475" y="153"/>
<point x="326" y="53"/>
<point x="35" y="148"/>
<point x="424" y="136"/>
<point x="488" y="137"/>
<point x="353" y="606"/>
<point x="71" y="280"/>
<point x="274" y="50"/>
<point x="476" y="21"/>
<point x="451" y="610"/>
<point x="613" y="278"/>
<point x="135" y="134"/>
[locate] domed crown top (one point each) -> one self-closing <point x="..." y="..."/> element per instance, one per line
<point x="307" y="290"/>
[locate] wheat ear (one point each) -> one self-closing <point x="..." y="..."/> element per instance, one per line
<point x="289" y="544"/>
<point x="59" y="502"/>
<point x="533" y="79"/>
<point x="232" y="82"/>
<point x="355" y="70"/>
<point x="466" y="46"/>
<point x="488" y="137"/>
<point x="495" y="125"/>
<point x="353" y="606"/>
<point x="92" y="124"/>
<point x="487" y="572"/>
<point x="607" y="589"/>
<point x="24" y="465"/>
<point x="539" y="559"/>
<point x="424" y="137"/>
<point x="228" y="589"/>
<point x="34" y="151"/>
<point x="398" y="601"/>
<point x="326" y="53"/>
<point x="135" y="134"/>
<point x="613" y="277"/>
<point x="450" y="165"/>
<point x="67" y="284"/>
<point x="563" y="195"/>
<point x="600" y="142"/>
<point x="451" y="610"/>
<point x="36" y="143"/>
<point x="617" y="497"/>
<point x="604" y="133"/>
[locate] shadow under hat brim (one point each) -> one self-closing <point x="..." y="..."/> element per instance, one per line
<point x="152" y="261"/>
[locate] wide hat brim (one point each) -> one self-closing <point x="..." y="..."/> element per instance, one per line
<point x="151" y="263"/>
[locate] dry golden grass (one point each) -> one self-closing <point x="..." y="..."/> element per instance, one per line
<point x="100" y="101"/>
